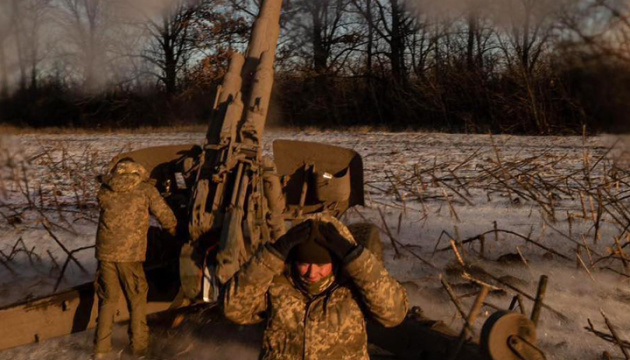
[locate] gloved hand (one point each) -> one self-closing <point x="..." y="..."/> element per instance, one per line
<point x="294" y="236"/>
<point x="334" y="241"/>
<point x="171" y="231"/>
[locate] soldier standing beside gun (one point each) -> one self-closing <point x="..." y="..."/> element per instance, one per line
<point x="125" y="200"/>
<point x="314" y="284"/>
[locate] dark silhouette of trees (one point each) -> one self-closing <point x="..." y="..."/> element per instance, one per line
<point x="518" y="66"/>
<point x="172" y="42"/>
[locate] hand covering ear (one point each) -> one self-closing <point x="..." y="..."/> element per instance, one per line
<point x="333" y="240"/>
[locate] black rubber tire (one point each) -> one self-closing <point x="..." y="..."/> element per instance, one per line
<point x="368" y="235"/>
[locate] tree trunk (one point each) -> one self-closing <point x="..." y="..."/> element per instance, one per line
<point x="480" y="50"/>
<point x="320" y="53"/>
<point x="33" y="85"/>
<point x="170" y="72"/>
<point x="170" y="63"/>
<point x="19" y="43"/>
<point x="90" y="77"/>
<point x="370" y="39"/>
<point x="437" y="54"/>
<point x="525" y="46"/>
<point x="396" y="44"/>
<point x="470" y="46"/>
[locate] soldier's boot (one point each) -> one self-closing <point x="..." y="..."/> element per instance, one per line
<point x="108" y="291"/>
<point x="136" y="289"/>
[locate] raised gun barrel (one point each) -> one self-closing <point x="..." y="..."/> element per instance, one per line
<point x="229" y="194"/>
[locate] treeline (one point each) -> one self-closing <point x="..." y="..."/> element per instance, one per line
<point x="512" y="66"/>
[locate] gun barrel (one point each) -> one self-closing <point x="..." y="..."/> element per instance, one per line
<point x="258" y="106"/>
<point x="228" y="107"/>
<point x="266" y="30"/>
<point x="252" y="77"/>
<point x="232" y="81"/>
<point x="258" y="68"/>
<point x="233" y="142"/>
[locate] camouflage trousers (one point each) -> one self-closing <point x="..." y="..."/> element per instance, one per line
<point x="112" y="277"/>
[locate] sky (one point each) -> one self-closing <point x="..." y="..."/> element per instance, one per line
<point x="64" y="45"/>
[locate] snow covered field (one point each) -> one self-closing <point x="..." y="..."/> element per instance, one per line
<point x="565" y="194"/>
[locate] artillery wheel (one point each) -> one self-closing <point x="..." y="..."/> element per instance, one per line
<point x="367" y="234"/>
<point x="505" y="331"/>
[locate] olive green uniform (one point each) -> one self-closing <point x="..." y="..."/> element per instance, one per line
<point x="330" y="325"/>
<point x="125" y="200"/>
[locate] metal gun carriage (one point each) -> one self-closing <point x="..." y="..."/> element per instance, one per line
<point x="229" y="200"/>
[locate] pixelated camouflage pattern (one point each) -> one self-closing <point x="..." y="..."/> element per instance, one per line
<point x="112" y="279"/>
<point x="328" y="326"/>
<point x="125" y="200"/>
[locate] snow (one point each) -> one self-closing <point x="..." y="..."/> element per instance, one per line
<point x="407" y="177"/>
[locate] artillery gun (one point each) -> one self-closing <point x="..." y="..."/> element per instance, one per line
<point x="229" y="200"/>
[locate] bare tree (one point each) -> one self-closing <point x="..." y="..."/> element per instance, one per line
<point x="217" y="32"/>
<point x="479" y="36"/>
<point x="531" y="28"/>
<point x="172" y="41"/>
<point x="28" y="17"/>
<point x="423" y="44"/>
<point x="85" y="25"/>
<point x="321" y="35"/>
<point x="18" y="32"/>
<point x="395" y="25"/>
<point x="37" y="14"/>
<point x="601" y="26"/>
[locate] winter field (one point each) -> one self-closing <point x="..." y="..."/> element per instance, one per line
<point x="558" y="206"/>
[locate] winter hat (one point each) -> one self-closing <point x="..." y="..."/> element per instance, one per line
<point x="128" y="166"/>
<point x="310" y="251"/>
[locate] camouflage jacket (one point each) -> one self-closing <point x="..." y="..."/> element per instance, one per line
<point x="329" y="326"/>
<point x="125" y="200"/>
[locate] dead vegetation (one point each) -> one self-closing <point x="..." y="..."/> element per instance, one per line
<point x="579" y="199"/>
<point x="533" y="181"/>
<point x="52" y="190"/>
<point x="7" y="129"/>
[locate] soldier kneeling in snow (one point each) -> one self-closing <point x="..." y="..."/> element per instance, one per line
<point x="125" y="200"/>
<point x="313" y="286"/>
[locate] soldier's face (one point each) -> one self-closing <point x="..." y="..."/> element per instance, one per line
<point x="314" y="272"/>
